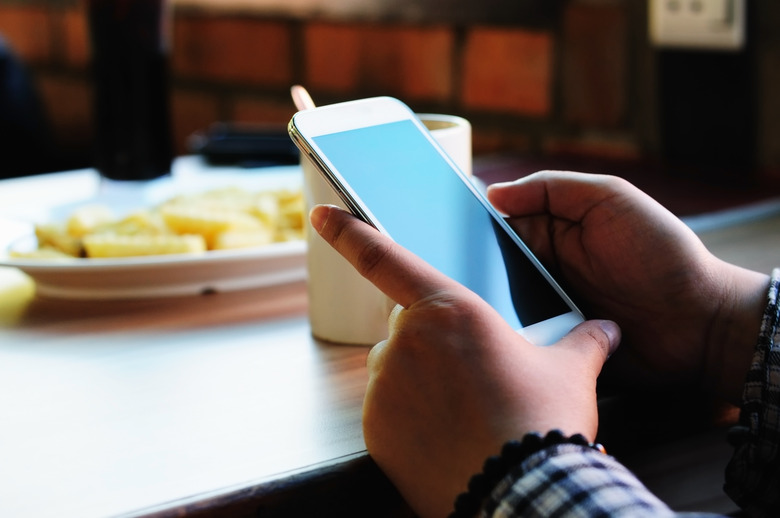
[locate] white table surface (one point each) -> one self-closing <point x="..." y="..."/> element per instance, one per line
<point x="108" y="408"/>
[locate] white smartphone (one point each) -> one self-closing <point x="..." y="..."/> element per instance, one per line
<point x="390" y="172"/>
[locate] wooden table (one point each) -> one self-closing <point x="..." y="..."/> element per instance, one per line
<point x="110" y="408"/>
<point x="215" y="405"/>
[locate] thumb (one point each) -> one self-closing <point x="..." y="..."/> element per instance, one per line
<point x="595" y="340"/>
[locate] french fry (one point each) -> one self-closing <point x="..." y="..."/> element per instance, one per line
<point x="113" y="245"/>
<point x="145" y="222"/>
<point x="192" y="223"/>
<point x="55" y="235"/>
<point x="266" y="208"/>
<point x="226" y="198"/>
<point x="291" y="209"/>
<point x="87" y="219"/>
<point x="45" y="252"/>
<point x="186" y="220"/>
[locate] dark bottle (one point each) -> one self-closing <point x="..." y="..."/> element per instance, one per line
<point x="130" y="50"/>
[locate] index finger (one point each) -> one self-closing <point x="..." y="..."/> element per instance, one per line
<point x="396" y="271"/>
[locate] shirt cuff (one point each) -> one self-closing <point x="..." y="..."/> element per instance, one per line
<point x="753" y="474"/>
<point x="572" y="480"/>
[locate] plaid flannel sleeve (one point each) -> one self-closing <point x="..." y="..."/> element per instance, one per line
<point x="568" y="480"/>
<point x="753" y="474"/>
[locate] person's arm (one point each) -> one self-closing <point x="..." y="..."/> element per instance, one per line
<point x="753" y="475"/>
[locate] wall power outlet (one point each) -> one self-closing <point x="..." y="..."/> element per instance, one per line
<point x="697" y="24"/>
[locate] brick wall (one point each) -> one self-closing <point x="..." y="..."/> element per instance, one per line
<point x="583" y="85"/>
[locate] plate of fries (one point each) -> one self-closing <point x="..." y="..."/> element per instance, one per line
<point x="219" y="239"/>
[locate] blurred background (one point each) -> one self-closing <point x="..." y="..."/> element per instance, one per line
<point x="554" y="81"/>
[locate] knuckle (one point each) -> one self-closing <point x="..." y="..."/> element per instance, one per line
<point x="375" y="355"/>
<point x="614" y="183"/>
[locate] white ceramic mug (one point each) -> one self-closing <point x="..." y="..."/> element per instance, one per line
<point x="343" y="306"/>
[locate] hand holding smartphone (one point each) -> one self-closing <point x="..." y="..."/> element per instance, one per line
<point x="390" y="172"/>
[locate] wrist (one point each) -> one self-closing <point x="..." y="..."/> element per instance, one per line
<point x="734" y="332"/>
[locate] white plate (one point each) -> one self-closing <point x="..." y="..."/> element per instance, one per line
<point x="162" y="276"/>
<point x="168" y="275"/>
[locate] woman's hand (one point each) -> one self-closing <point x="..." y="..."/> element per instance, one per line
<point x="453" y="382"/>
<point x="685" y="315"/>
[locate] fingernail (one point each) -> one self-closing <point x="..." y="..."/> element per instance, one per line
<point x="499" y="185"/>
<point x="318" y="216"/>
<point x="612" y="330"/>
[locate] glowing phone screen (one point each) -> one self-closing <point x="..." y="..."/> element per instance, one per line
<point x="422" y="203"/>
